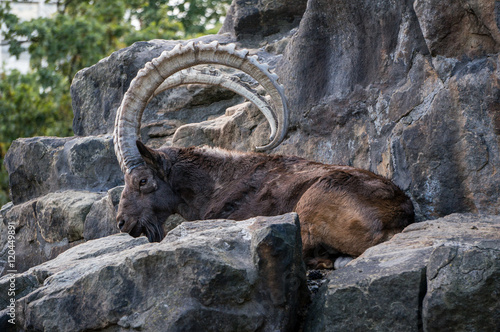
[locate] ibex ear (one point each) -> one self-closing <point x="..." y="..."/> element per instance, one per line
<point x="158" y="161"/>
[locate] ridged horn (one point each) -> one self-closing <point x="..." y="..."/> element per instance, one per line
<point x="215" y="77"/>
<point x="155" y="72"/>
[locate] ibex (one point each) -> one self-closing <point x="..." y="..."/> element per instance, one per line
<point x="341" y="208"/>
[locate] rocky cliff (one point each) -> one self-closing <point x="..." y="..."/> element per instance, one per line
<point x="408" y="89"/>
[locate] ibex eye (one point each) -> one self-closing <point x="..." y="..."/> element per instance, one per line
<point x="143" y="182"/>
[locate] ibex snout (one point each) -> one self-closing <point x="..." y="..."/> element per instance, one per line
<point x="121" y="223"/>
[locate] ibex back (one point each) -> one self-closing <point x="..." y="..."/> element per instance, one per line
<point x="341" y="209"/>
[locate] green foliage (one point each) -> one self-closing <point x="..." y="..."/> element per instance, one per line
<point x="198" y="15"/>
<point x="80" y="34"/>
<point x="28" y="108"/>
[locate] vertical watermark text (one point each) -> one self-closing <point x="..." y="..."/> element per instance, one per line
<point x="11" y="269"/>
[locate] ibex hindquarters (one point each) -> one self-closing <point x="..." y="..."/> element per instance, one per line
<point x="342" y="209"/>
<point x="349" y="211"/>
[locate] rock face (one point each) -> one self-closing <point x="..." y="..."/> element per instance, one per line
<point x="409" y="90"/>
<point x="460" y="28"/>
<point x="204" y="276"/>
<point x="95" y="98"/>
<point x="434" y="276"/>
<point x="41" y="165"/>
<point x="50" y="224"/>
<point x="406" y="89"/>
<point x="250" y="20"/>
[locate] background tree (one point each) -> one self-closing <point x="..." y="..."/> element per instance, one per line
<point x="78" y="35"/>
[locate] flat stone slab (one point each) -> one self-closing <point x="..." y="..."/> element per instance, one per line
<point x="436" y="275"/>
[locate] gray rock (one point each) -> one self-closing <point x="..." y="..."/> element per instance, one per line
<point x="195" y="104"/>
<point x="339" y="50"/>
<point x="242" y="128"/>
<point x="210" y="276"/>
<point x="29" y="164"/>
<point x="250" y="20"/>
<point x="449" y="146"/>
<point x="436" y="275"/>
<point x="101" y="219"/>
<point x="62" y="215"/>
<point x="365" y="90"/>
<point x="41" y="165"/>
<point x="460" y="27"/>
<point x="96" y="97"/>
<point x="53" y="223"/>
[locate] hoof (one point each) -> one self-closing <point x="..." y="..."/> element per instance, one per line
<point x="342" y="261"/>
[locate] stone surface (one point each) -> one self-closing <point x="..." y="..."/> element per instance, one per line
<point x="366" y="89"/>
<point x="40" y="165"/>
<point x="448" y="150"/>
<point x="62" y="215"/>
<point x="250" y="20"/>
<point x="463" y="290"/>
<point x="459" y="28"/>
<point x="101" y="218"/>
<point x="210" y="276"/>
<point x="96" y="97"/>
<point x="434" y="276"/>
<point x="241" y="128"/>
<point x="186" y="105"/>
<point x="50" y="224"/>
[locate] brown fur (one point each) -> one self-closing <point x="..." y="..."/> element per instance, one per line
<point x="341" y="209"/>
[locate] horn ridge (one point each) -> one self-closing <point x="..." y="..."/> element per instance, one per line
<point x="194" y="76"/>
<point x="181" y="57"/>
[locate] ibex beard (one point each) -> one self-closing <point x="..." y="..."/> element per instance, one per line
<point x="341" y="209"/>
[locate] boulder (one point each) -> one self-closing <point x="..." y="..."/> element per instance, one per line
<point x="243" y="127"/>
<point x="41" y="165"/>
<point x="210" y="275"/>
<point x="51" y="224"/>
<point x="434" y="276"/>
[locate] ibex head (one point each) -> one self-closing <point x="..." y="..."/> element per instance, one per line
<point x="147" y="171"/>
<point x="147" y="199"/>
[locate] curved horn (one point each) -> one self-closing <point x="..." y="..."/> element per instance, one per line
<point x="148" y="79"/>
<point x="215" y="77"/>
